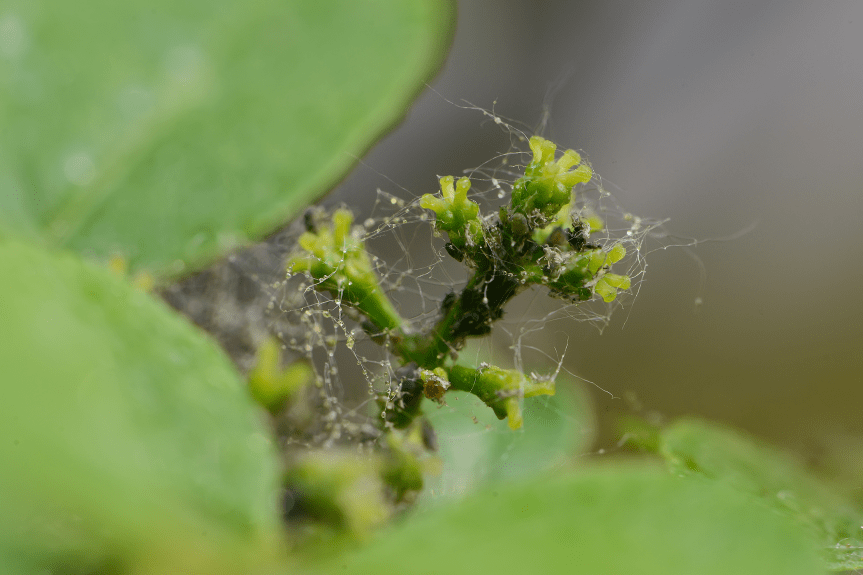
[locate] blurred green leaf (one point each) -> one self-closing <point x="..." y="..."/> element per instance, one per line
<point x="10" y="565"/>
<point x="171" y="131"/>
<point x="127" y="439"/>
<point x="703" y="449"/>
<point x="613" y="520"/>
<point x="477" y="448"/>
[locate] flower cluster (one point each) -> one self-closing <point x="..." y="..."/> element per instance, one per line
<point x="547" y="183"/>
<point x="538" y="238"/>
<point x="337" y="260"/>
<point x="457" y="216"/>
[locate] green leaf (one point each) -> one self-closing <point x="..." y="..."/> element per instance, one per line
<point x="169" y="131"/>
<point x="703" y="449"/>
<point x="613" y="520"/>
<point x="127" y="439"/>
<point x="477" y="448"/>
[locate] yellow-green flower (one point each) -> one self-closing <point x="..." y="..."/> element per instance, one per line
<point x="547" y="183"/>
<point x="455" y="214"/>
<point x="336" y="258"/>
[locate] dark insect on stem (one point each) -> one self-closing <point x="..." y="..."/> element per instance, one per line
<point x="559" y="238"/>
<point x="519" y="225"/>
<point x="408" y="396"/>
<point x="577" y="236"/>
<point x="483" y="305"/>
<point x="454" y="252"/>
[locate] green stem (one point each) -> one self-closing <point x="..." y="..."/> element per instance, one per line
<point x="372" y="302"/>
<point x="500" y="389"/>
<point x="469" y="379"/>
<point x="431" y="350"/>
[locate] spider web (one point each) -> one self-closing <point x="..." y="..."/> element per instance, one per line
<point x="247" y="299"/>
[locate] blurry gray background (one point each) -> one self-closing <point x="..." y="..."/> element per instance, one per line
<point x="715" y="115"/>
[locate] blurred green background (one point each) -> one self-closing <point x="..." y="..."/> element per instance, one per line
<point x="718" y="116"/>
